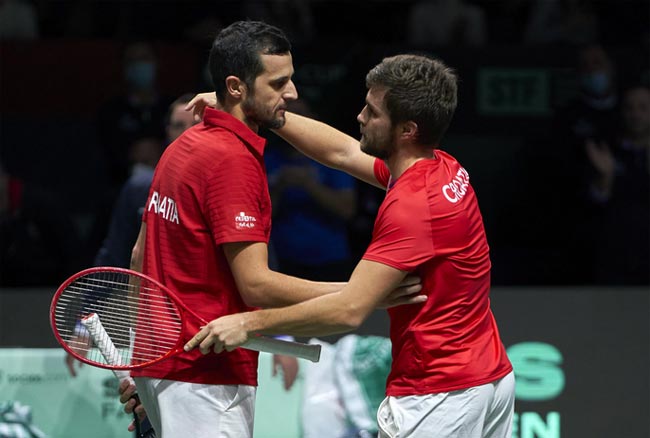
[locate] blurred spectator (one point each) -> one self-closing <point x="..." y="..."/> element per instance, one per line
<point x="127" y="213"/>
<point x="138" y="112"/>
<point x="312" y="205"/>
<point x="592" y="116"/>
<point x="18" y="20"/>
<point x="620" y="189"/>
<point x="562" y="21"/>
<point x="445" y="23"/>
<point x="343" y="391"/>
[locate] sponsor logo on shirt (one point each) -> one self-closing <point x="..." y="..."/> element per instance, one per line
<point x="164" y="206"/>
<point x="456" y="189"/>
<point x="244" y="221"/>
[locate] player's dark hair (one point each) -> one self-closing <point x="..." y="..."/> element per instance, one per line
<point x="237" y="48"/>
<point x="420" y="89"/>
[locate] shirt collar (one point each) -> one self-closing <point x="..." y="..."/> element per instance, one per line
<point x="392" y="181"/>
<point x="224" y="120"/>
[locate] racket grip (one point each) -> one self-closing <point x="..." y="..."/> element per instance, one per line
<point x="139" y="428"/>
<point x="123" y="375"/>
<point x="276" y="346"/>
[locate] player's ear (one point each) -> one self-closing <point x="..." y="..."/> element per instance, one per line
<point x="408" y="130"/>
<point x="235" y="87"/>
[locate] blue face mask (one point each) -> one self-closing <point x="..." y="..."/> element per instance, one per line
<point x="596" y="83"/>
<point x="140" y="75"/>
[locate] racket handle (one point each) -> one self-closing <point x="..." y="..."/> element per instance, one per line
<point x="276" y="346"/>
<point x="139" y="428"/>
<point x="123" y="375"/>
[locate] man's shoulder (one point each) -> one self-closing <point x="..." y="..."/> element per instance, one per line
<point x="213" y="144"/>
<point x="444" y="155"/>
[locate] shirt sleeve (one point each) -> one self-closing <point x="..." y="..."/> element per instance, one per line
<point x="381" y="172"/>
<point x="402" y="237"/>
<point x="234" y="199"/>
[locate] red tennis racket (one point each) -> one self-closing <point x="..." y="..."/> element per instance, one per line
<point x="133" y="321"/>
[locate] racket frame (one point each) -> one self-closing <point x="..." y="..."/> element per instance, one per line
<point x="257" y="342"/>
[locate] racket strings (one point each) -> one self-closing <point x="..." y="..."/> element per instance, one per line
<point x="138" y="323"/>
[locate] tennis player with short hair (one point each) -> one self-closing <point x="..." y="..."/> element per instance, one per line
<point x="450" y="374"/>
<point x="205" y="233"/>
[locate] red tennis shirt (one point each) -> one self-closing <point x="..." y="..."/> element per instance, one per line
<point x="209" y="188"/>
<point x="430" y="224"/>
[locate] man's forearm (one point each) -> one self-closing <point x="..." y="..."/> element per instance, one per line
<point x="328" y="146"/>
<point x="279" y="290"/>
<point x="322" y="316"/>
<point x="317" y="140"/>
<point x="260" y="286"/>
<point x="334" y="313"/>
<point x="371" y="283"/>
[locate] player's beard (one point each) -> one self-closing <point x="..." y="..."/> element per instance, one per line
<point x="263" y="117"/>
<point x="380" y="146"/>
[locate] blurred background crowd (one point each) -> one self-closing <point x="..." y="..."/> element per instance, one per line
<point x="553" y="126"/>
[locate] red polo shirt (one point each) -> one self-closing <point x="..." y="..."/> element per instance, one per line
<point x="209" y="188"/>
<point x="430" y="223"/>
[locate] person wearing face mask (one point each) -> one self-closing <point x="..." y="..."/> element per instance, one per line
<point x="591" y="117"/>
<point x="591" y="113"/>
<point x="139" y="111"/>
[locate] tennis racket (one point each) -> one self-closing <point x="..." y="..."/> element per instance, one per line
<point x="126" y="302"/>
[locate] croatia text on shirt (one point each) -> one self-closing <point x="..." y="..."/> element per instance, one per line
<point x="165" y="207"/>
<point x="456" y="189"/>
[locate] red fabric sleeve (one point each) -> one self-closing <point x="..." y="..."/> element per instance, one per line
<point x="233" y="201"/>
<point x="401" y="238"/>
<point x="381" y="172"/>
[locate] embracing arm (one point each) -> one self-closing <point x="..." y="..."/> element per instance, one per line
<point x="328" y="146"/>
<point x="260" y="286"/>
<point x="335" y="313"/>
<point x="315" y="139"/>
<point x="339" y="312"/>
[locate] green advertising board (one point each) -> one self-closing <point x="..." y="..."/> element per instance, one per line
<point x="87" y="405"/>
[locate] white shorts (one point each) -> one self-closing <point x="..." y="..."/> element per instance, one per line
<point x="197" y="410"/>
<point x="484" y="411"/>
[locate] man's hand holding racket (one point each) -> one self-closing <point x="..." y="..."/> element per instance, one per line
<point x="127" y="391"/>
